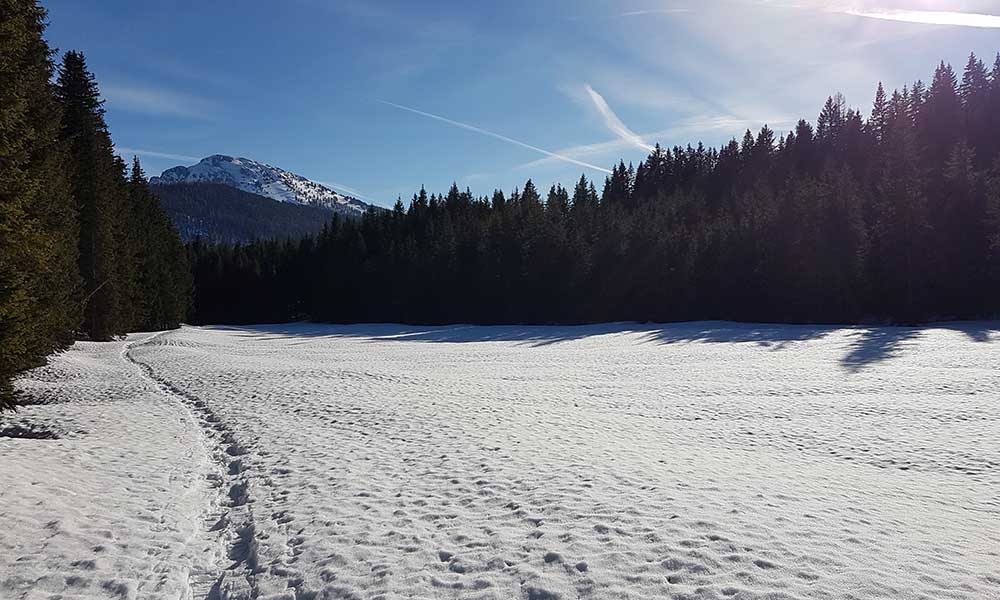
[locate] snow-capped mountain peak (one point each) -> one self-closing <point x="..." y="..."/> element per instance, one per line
<point x="262" y="179"/>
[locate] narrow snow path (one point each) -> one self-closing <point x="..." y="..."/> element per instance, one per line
<point x="227" y="519"/>
<point x="113" y="508"/>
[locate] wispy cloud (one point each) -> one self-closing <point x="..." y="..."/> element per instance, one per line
<point x="929" y="17"/>
<point x="155" y="101"/>
<point x="503" y="138"/>
<point x="633" y="13"/>
<point x="127" y="152"/>
<point x="655" y="11"/>
<point x="614" y="123"/>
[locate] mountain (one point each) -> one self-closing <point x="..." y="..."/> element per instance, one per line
<point x="219" y="213"/>
<point x="261" y="179"/>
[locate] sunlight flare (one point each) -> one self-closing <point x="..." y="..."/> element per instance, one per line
<point x="931" y="17"/>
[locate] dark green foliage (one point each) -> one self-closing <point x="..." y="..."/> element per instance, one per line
<point x="219" y="213"/>
<point x="889" y="219"/>
<point x="131" y="259"/>
<point x="39" y="285"/>
<point x="161" y="288"/>
<point x="81" y="252"/>
<point x="96" y="179"/>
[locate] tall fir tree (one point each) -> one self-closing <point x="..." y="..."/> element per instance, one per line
<point x="879" y="119"/>
<point x="940" y="123"/>
<point x="901" y="228"/>
<point x="38" y="278"/>
<point x="975" y="94"/>
<point x="95" y="179"/>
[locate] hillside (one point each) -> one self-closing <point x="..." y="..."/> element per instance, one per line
<point x="220" y="213"/>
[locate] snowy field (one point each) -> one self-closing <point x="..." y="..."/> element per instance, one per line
<point x="703" y="460"/>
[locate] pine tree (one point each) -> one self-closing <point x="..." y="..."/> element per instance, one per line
<point x="916" y="98"/>
<point x="992" y="133"/>
<point x="38" y="277"/>
<point x="879" y="120"/>
<point x="940" y="123"/>
<point x="126" y="248"/>
<point x="975" y="82"/>
<point x="831" y="118"/>
<point x="95" y="179"/>
<point x="160" y="284"/>
<point x="618" y="186"/>
<point x="992" y="282"/>
<point x="901" y="228"/>
<point x="962" y="237"/>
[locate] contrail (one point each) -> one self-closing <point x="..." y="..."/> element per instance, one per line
<point x="123" y="151"/>
<point x="655" y="11"/>
<point x="496" y="135"/>
<point x="344" y="189"/>
<point x="615" y="124"/>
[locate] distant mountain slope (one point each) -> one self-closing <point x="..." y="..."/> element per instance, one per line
<point x="220" y="213"/>
<point x="261" y="179"/>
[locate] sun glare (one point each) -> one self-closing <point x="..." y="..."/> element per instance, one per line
<point x="932" y="17"/>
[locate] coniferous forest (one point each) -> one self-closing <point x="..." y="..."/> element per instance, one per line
<point x="85" y="250"/>
<point x="890" y="214"/>
<point x="886" y="215"/>
<point x="222" y="214"/>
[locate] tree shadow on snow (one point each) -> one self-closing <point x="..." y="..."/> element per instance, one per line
<point x="879" y="344"/>
<point x="869" y="346"/>
<point x="774" y="336"/>
<point x="533" y="335"/>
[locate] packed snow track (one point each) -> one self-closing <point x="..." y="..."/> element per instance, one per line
<point x="689" y="461"/>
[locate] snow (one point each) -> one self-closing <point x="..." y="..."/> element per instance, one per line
<point x="262" y="179"/>
<point x="701" y="460"/>
<point x="112" y="509"/>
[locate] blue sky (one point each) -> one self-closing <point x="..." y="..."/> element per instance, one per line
<point x="379" y="97"/>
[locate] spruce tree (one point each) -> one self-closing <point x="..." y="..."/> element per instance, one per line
<point x="940" y="124"/>
<point x="879" y="119"/>
<point x="38" y="277"/>
<point x="962" y="237"/>
<point x="95" y="181"/>
<point x="901" y="228"/>
<point x="993" y="242"/>
<point x="831" y="118"/>
<point x="993" y="119"/>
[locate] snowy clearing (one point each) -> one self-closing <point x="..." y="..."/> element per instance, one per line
<point x="701" y="460"/>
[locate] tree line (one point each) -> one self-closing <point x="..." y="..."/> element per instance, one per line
<point x="888" y="216"/>
<point x="85" y="249"/>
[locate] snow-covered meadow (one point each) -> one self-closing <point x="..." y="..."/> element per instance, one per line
<point x="702" y="460"/>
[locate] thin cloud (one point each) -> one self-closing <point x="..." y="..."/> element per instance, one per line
<point x="655" y="11"/>
<point x="614" y="123"/>
<point x="930" y="17"/>
<point x="635" y="13"/>
<point x="155" y="101"/>
<point x="123" y="151"/>
<point x="498" y="136"/>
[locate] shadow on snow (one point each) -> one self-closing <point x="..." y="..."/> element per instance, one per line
<point x="868" y="345"/>
<point x="878" y="344"/>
